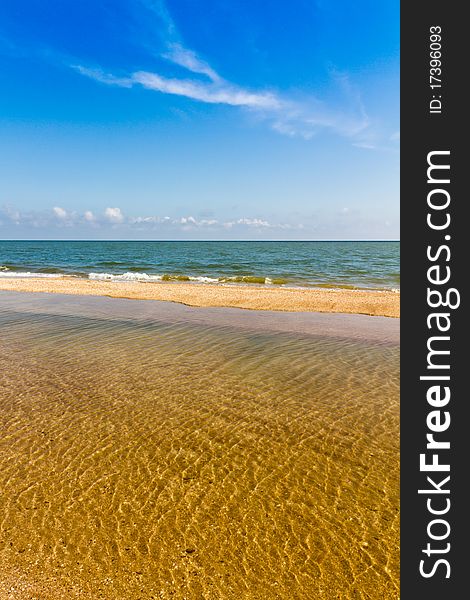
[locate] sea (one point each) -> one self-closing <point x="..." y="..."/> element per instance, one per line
<point x="345" y="264"/>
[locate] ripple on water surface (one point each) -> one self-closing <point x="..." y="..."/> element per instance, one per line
<point x="179" y="460"/>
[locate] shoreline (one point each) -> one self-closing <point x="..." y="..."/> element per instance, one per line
<point x="365" y="302"/>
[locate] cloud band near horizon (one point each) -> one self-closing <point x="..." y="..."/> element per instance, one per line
<point x="115" y="218"/>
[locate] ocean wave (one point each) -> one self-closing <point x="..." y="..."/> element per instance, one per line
<point x="124" y="277"/>
<point x="28" y="274"/>
<point x="205" y="279"/>
<point x="253" y="279"/>
<point x="130" y="276"/>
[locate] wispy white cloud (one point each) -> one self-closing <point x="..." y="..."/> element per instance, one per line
<point x="284" y="114"/>
<point x="188" y="59"/>
<point x="11" y="215"/>
<point x="211" y="93"/>
<point x="148" y="220"/>
<point x="288" y="117"/>
<point x="158" y="8"/>
<point x="102" y="77"/>
<point x="60" y="213"/>
<point x="113" y="217"/>
<point x="253" y="223"/>
<point x="219" y="92"/>
<point x="281" y="111"/>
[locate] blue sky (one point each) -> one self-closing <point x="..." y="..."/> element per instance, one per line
<point x="211" y="119"/>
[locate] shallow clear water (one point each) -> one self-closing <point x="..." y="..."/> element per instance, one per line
<point x="332" y="264"/>
<point x="149" y="458"/>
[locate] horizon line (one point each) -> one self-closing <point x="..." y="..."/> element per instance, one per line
<point x="202" y="240"/>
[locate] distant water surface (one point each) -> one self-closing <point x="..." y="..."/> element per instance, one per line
<point x="329" y="264"/>
<point x="167" y="458"/>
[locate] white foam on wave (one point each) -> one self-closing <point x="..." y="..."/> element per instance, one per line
<point x="15" y="274"/>
<point x="204" y="279"/>
<point x="124" y="277"/>
<point x="146" y="277"/>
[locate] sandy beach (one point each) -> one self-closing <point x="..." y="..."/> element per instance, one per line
<point x="366" y="302"/>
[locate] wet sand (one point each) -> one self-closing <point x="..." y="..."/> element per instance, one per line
<point x="367" y="302"/>
<point x="154" y="450"/>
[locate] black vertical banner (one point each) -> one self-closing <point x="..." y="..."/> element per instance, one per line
<point x="434" y="427"/>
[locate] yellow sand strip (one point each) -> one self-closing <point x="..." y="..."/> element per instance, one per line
<point x="369" y="302"/>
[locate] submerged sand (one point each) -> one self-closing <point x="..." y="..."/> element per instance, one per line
<point x="366" y="302"/>
<point x="154" y="450"/>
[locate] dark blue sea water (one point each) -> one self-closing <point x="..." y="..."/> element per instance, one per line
<point x="329" y="264"/>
